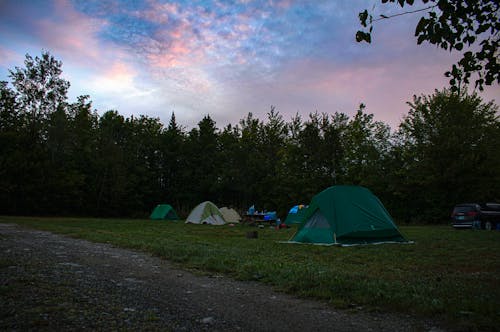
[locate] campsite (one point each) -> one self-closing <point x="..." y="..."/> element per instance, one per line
<point x="448" y="275"/>
<point x="210" y="157"/>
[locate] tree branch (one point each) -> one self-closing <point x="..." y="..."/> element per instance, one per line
<point x="384" y="17"/>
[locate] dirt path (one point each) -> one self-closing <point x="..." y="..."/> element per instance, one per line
<point x="52" y="282"/>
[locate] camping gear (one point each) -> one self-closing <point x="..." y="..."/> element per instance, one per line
<point x="270" y="216"/>
<point x="296" y="214"/>
<point x="164" y="212"/>
<point x="347" y="215"/>
<point x="259" y="217"/>
<point x="206" y="213"/>
<point x="230" y="215"/>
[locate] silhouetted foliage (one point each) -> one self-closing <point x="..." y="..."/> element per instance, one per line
<point x="454" y="25"/>
<point x="61" y="158"/>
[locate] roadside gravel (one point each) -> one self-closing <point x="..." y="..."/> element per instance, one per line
<point x="52" y="282"/>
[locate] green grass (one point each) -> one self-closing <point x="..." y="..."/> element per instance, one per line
<point x="445" y="274"/>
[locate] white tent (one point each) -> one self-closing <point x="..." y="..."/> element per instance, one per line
<point x="206" y="213"/>
<point x="230" y="215"/>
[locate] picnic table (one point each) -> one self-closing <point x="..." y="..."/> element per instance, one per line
<point x="258" y="218"/>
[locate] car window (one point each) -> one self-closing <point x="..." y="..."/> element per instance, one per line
<point x="463" y="208"/>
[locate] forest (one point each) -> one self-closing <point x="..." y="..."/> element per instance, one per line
<point x="64" y="158"/>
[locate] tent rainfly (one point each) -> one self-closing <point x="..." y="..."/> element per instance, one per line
<point x="206" y="213"/>
<point x="230" y="215"/>
<point x="296" y="214"/>
<point x="164" y="211"/>
<point x="347" y="215"/>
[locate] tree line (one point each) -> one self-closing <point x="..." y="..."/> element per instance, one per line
<point x="63" y="158"/>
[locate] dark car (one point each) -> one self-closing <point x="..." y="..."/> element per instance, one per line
<point x="474" y="215"/>
<point x="465" y="215"/>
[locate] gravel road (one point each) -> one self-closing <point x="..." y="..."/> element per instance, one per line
<point x="52" y="282"/>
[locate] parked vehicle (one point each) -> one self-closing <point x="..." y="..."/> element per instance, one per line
<point x="475" y="215"/>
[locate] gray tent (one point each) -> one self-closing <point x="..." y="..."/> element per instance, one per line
<point x="230" y="215"/>
<point x="206" y="213"/>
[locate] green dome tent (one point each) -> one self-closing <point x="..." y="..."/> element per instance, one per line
<point x="296" y="214"/>
<point x="206" y="213"/>
<point x="164" y="211"/>
<point x="347" y="215"/>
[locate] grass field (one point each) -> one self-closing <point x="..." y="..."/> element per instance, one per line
<point x="446" y="274"/>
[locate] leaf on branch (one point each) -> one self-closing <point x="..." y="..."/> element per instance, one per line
<point x="479" y="84"/>
<point x="363" y="36"/>
<point x="482" y="28"/>
<point x="469" y="39"/>
<point x="363" y="17"/>
<point x="421" y="26"/>
<point x="420" y="39"/>
<point x="359" y="36"/>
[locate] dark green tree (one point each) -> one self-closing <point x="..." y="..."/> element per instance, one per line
<point x="366" y="146"/>
<point x="291" y="174"/>
<point x="111" y="179"/>
<point x="230" y="172"/>
<point x="447" y="146"/>
<point x="64" y="182"/>
<point x="335" y="148"/>
<point x="313" y="157"/>
<point x="274" y="134"/>
<point x="9" y="109"/>
<point x="175" y="178"/>
<point x="40" y="90"/>
<point x="252" y="163"/>
<point x="83" y="126"/>
<point x="203" y="162"/>
<point x="11" y="154"/>
<point x="142" y="151"/>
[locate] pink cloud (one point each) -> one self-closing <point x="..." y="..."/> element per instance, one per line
<point x="71" y="32"/>
<point x="282" y="3"/>
<point x="159" y="12"/>
<point x="195" y="36"/>
<point x="175" y="44"/>
<point x="173" y="49"/>
<point x="73" y="37"/>
<point x="165" y="60"/>
<point x="119" y="70"/>
<point x="306" y="86"/>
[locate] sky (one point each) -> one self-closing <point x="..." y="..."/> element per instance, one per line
<point x="227" y="58"/>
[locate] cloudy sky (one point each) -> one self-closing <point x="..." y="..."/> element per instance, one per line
<point x="226" y="58"/>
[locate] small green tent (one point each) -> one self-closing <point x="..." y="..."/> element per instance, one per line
<point x="206" y="213"/>
<point x="164" y="211"/>
<point x="347" y="215"/>
<point x="296" y="214"/>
